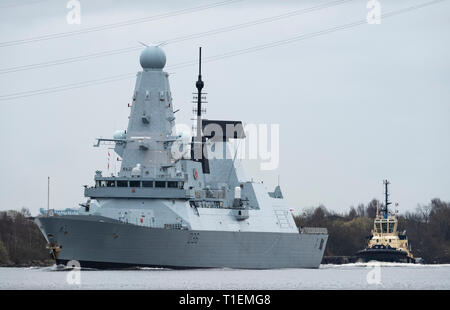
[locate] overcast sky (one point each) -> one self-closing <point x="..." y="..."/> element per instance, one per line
<point x="354" y="106"/>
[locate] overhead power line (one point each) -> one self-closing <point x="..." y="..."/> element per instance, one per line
<point x="116" y="25"/>
<point x="174" y="40"/>
<point x="217" y="57"/>
<point x="13" y="5"/>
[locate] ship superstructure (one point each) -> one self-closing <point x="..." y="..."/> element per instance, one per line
<point x="386" y="243"/>
<point x="173" y="204"/>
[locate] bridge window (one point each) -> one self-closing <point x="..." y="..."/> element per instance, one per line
<point x="122" y="183"/>
<point x="147" y="183"/>
<point x="111" y="183"/>
<point x="135" y="184"/>
<point x="391" y="227"/>
<point x="377" y="227"/>
<point x="160" y="184"/>
<point x="172" y="184"/>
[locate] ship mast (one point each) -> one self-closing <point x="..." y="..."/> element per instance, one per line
<point x="199" y="84"/>
<point x="197" y="152"/>
<point x="48" y="195"/>
<point x="386" y="196"/>
<point x="198" y="138"/>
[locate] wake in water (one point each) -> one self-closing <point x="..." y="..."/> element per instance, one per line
<point x="381" y="264"/>
<point x="56" y="267"/>
<point x="69" y="268"/>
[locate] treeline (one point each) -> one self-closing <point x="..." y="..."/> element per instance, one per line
<point x="428" y="229"/>
<point x="21" y="242"/>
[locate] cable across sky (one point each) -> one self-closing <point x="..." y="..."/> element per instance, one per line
<point x="175" y="39"/>
<point x="13" y="5"/>
<point x="297" y="38"/>
<point x="118" y="24"/>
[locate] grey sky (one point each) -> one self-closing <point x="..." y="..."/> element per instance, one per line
<point x="354" y="107"/>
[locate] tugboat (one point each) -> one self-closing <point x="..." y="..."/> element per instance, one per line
<point x="385" y="243"/>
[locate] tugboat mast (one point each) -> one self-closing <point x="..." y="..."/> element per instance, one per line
<point x="386" y="196"/>
<point x="48" y="195"/>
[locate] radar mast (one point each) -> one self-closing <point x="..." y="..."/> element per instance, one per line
<point x="199" y="85"/>
<point x="386" y="196"/>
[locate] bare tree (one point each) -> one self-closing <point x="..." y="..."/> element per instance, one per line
<point x="424" y="211"/>
<point x="371" y="209"/>
<point x="361" y="210"/>
<point x="352" y="214"/>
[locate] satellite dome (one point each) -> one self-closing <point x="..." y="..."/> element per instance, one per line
<point x="136" y="171"/>
<point x="153" y="57"/>
<point x="120" y="134"/>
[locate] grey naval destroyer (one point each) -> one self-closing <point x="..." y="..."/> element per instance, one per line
<point x="171" y="205"/>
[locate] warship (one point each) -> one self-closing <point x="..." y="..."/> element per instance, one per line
<point x="174" y="205"/>
<point x="386" y="243"/>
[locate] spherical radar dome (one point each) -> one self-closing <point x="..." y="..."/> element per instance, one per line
<point x="120" y="134"/>
<point x="153" y="57"/>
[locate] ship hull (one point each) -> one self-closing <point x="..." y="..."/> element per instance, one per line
<point x="100" y="242"/>
<point x="384" y="255"/>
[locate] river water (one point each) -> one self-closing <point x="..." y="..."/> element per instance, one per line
<point x="350" y="276"/>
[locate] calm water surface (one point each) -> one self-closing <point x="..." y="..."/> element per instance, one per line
<point x="349" y="276"/>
